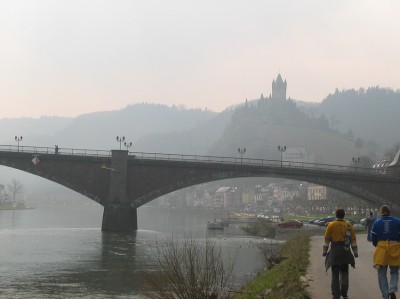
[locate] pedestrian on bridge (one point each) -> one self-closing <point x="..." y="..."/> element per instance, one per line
<point x="340" y="249"/>
<point x="385" y="234"/>
<point x="368" y="225"/>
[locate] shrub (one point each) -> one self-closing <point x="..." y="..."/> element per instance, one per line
<point x="189" y="270"/>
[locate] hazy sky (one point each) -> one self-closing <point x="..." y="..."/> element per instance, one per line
<point x="70" y="57"/>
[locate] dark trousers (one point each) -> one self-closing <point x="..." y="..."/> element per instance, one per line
<point x="340" y="281"/>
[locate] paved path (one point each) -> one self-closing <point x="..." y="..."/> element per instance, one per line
<point x="363" y="279"/>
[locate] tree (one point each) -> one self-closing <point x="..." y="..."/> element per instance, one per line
<point x="391" y="152"/>
<point x="188" y="269"/>
<point x="359" y="143"/>
<point x="15" y="187"/>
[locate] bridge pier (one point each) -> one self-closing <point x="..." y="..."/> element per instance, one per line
<point x="118" y="214"/>
<point x="119" y="218"/>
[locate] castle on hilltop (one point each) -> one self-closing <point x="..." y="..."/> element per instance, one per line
<point x="279" y="88"/>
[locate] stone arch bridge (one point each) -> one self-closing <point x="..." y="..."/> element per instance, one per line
<point x="122" y="181"/>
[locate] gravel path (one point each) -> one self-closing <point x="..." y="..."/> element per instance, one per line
<point x="363" y="279"/>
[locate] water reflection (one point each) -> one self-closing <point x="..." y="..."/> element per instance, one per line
<point x="51" y="253"/>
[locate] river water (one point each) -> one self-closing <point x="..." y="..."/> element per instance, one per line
<point x="60" y="251"/>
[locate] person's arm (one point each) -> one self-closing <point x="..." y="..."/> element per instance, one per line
<point x="367" y="223"/>
<point x="327" y="239"/>
<point x="398" y="228"/>
<point x="374" y="233"/>
<point x="353" y="240"/>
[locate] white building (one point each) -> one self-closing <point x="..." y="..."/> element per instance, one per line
<point x="298" y="155"/>
<point x="316" y="192"/>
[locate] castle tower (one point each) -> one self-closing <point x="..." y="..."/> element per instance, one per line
<point x="279" y="88"/>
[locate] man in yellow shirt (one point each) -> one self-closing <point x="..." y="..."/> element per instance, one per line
<point x="340" y="239"/>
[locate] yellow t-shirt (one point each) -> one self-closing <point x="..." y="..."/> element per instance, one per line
<point x="336" y="232"/>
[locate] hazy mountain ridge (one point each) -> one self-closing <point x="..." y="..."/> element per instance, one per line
<point x="40" y="129"/>
<point x="99" y="130"/>
<point x="258" y="125"/>
<point x="260" y="128"/>
<point x="195" y="141"/>
<point x="371" y="114"/>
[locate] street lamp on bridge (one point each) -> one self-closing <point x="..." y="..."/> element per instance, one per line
<point x="18" y="140"/>
<point x="120" y="140"/>
<point x="356" y="161"/>
<point x="281" y="149"/>
<point x="128" y="145"/>
<point x="241" y="151"/>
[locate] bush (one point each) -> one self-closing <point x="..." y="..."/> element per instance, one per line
<point x="189" y="270"/>
<point x="261" y="229"/>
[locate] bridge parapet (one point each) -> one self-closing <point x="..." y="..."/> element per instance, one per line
<point x="51" y="150"/>
<point x="224" y="160"/>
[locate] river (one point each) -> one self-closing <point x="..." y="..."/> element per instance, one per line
<point x="55" y="251"/>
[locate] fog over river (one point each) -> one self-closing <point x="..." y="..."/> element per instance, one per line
<point x="55" y="251"/>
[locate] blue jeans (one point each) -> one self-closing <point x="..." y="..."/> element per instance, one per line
<point x="383" y="281"/>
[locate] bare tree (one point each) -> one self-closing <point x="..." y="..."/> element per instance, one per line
<point x="188" y="269"/>
<point x="391" y="152"/>
<point x="15" y="187"/>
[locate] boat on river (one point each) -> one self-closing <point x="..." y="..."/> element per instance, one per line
<point x="216" y="224"/>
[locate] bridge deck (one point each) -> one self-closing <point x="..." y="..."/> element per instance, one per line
<point x="238" y="161"/>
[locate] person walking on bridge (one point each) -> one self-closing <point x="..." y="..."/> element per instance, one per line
<point x="385" y="233"/>
<point x="368" y="225"/>
<point x="340" y="239"/>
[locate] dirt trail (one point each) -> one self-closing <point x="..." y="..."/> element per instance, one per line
<point x="363" y="279"/>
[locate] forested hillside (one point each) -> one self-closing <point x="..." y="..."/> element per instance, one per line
<point x="371" y="114"/>
<point x="262" y="126"/>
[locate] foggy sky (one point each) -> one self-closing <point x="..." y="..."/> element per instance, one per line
<point x="67" y="58"/>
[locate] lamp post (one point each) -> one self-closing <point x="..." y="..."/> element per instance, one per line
<point x="281" y="149"/>
<point x="128" y="145"/>
<point x="241" y="151"/>
<point x="18" y="140"/>
<point x="356" y="161"/>
<point x="120" y="140"/>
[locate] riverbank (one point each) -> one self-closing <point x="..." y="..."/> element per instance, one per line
<point x="286" y="279"/>
<point x="14" y="206"/>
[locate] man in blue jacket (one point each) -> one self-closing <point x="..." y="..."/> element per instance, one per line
<point x="385" y="233"/>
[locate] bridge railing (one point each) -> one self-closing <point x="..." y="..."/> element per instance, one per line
<point x="196" y="158"/>
<point x="255" y="162"/>
<point x="52" y="150"/>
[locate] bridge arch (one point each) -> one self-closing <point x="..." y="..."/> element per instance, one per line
<point x="371" y="188"/>
<point x="79" y="174"/>
<point x="122" y="181"/>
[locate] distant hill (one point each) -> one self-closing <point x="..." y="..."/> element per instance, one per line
<point x="194" y="141"/>
<point x="98" y="130"/>
<point x="261" y="127"/>
<point x="371" y="114"/>
<point x="347" y="123"/>
<point x="34" y="131"/>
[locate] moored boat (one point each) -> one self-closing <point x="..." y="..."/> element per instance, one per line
<point x="216" y="224"/>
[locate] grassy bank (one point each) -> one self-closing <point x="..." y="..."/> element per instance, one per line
<point x="9" y="206"/>
<point x="284" y="279"/>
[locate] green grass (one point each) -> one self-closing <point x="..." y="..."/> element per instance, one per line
<point x="283" y="280"/>
<point x="305" y="218"/>
<point x="355" y="218"/>
<point x="8" y="206"/>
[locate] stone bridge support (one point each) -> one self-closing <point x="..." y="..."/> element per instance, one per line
<point x="118" y="214"/>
